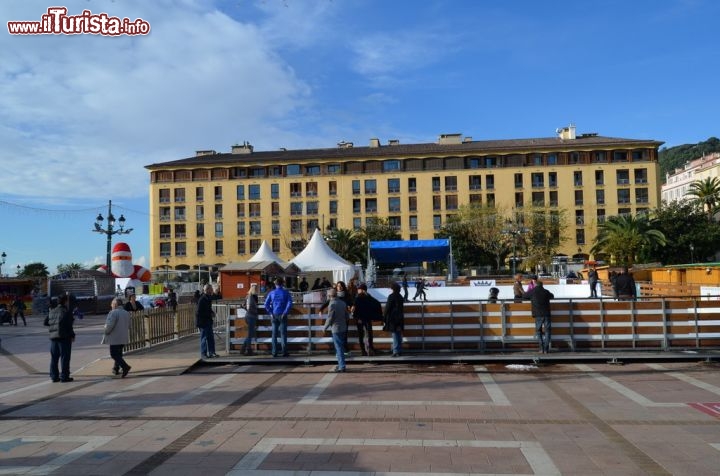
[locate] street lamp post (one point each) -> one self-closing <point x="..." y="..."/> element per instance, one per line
<point x="167" y="272"/>
<point x="692" y="253"/>
<point x="514" y="231"/>
<point x="3" y="256"/>
<point x="109" y="231"/>
<point x="17" y="273"/>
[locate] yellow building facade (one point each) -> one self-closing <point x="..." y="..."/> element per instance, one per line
<point x="215" y="208"/>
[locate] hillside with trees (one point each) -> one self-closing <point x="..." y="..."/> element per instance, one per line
<point x="671" y="158"/>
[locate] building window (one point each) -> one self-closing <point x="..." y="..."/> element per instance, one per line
<point x="164" y="232"/>
<point x="624" y="211"/>
<point x="275" y="208"/>
<point x="292" y="169"/>
<point x="538" y="199"/>
<point x="490" y="162"/>
<point x="256" y="172"/>
<point x="332" y="188"/>
<point x="218" y="193"/>
<point x="332" y="225"/>
<point x="312" y="170"/>
<point x="312" y="208"/>
<point x="580" y="237"/>
<point x="180" y="248"/>
<point x="577" y="179"/>
<point x="641" y="195"/>
<point x="437" y="222"/>
<point x="274" y="191"/>
<point x="412" y="184"/>
<point x="200" y="230"/>
<point x="334" y="169"/>
<point x="451" y="184"/>
<point x="490" y="182"/>
<point x="475" y="182"/>
<point x="579" y="217"/>
<point x="451" y="202"/>
<point x="311" y="189"/>
<point x="601" y="215"/>
<point x="275" y="225"/>
<point x="199" y="212"/>
<point x="218" y="210"/>
<point x="413" y="222"/>
<point x="639" y="155"/>
<point x="600" y="197"/>
<point x="599" y="177"/>
<point x="640" y="176"/>
<point x="333" y="205"/>
<point x="255" y="245"/>
<point x="218" y="230"/>
<point x="312" y="225"/>
<point x="574" y="157"/>
<point x="552" y="179"/>
<point x="356" y="187"/>
<point x="391" y="165"/>
<point x="371" y="186"/>
<point x="395" y="222"/>
<point x="394" y="204"/>
<point x="180" y="195"/>
<point x="371" y="205"/>
<point x="518" y="180"/>
<point x="356" y="205"/>
<point x="179" y="213"/>
<point x="200" y="247"/>
<point x="275" y="171"/>
<point x="240" y="192"/>
<point x="578" y="198"/>
<point x="357" y="223"/>
<point x="600" y="157"/>
<point x="164" y="195"/>
<point x="165" y="249"/>
<point x="537" y="180"/>
<point x="490" y="199"/>
<point x="275" y="245"/>
<point x="254" y="192"/>
<point x="623" y="177"/>
<point x="436" y="184"/>
<point x="553" y="198"/>
<point x="437" y="203"/>
<point x="296" y="189"/>
<point x="241" y="247"/>
<point x="296" y="208"/>
<point x="241" y="228"/>
<point x="255" y="228"/>
<point x="623" y="195"/>
<point x="476" y="198"/>
<point x="619" y="156"/>
<point x="240" y="210"/>
<point x="412" y="204"/>
<point x="519" y="199"/>
<point x="254" y="209"/>
<point x="296" y="227"/>
<point x="552" y="159"/>
<point x="393" y="185"/>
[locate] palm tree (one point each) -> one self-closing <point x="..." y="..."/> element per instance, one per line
<point x="624" y="237"/>
<point x="349" y="244"/>
<point x="706" y="194"/>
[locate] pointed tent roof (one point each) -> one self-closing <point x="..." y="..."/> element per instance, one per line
<point x="318" y="256"/>
<point x="265" y="253"/>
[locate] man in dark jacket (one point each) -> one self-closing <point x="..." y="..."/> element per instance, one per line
<point x="204" y="315"/>
<point x="394" y="318"/>
<point x="540" y="299"/>
<point x="625" y="286"/>
<point x="62" y="335"/>
<point x="365" y="310"/>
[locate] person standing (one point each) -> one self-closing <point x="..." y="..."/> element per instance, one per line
<point x="278" y="304"/>
<point x="133" y="305"/>
<point x="405" y="287"/>
<point x="593" y="281"/>
<point x="337" y="317"/>
<point x="62" y="335"/>
<point x="366" y="310"/>
<point x="625" y="289"/>
<point x="304" y="285"/>
<point x="518" y="289"/>
<point x="419" y="289"/>
<point x="116" y="335"/>
<point x="394" y="318"/>
<point x="20" y="307"/>
<point x="204" y="315"/>
<point x="540" y="299"/>
<point x="172" y="300"/>
<point x="251" y="317"/>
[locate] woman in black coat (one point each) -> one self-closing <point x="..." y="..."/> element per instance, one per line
<point x="394" y="317"/>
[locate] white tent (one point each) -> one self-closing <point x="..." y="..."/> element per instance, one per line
<point x="318" y="257"/>
<point x="265" y="253"/>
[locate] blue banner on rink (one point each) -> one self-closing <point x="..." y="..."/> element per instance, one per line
<point x="411" y="251"/>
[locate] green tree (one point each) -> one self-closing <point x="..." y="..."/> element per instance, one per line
<point x="349" y="244"/>
<point x="483" y="231"/>
<point x="543" y="237"/>
<point x="625" y="238"/>
<point x="466" y="251"/>
<point x="70" y="268"/>
<point x="379" y="229"/>
<point x="706" y="195"/>
<point x="676" y="157"/>
<point x="689" y="237"/>
<point x="34" y="270"/>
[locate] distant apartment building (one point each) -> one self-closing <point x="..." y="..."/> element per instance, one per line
<point x="214" y="208"/>
<point x="678" y="182"/>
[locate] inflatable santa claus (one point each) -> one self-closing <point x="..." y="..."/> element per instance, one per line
<point x="122" y="266"/>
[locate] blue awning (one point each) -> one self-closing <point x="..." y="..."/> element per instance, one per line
<point x="411" y="251"/>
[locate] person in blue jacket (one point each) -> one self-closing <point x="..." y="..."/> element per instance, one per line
<point x="278" y="304"/>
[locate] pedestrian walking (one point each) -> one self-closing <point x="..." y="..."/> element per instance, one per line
<point x="117" y="334"/>
<point x="251" y="317"/>
<point x="20" y="307"/>
<point x="366" y="310"/>
<point x="593" y="281"/>
<point x="204" y="316"/>
<point x="394" y="318"/>
<point x="518" y="289"/>
<point x="337" y="318"/>
<point x="540" y="300"/>
<point x="278" y="304"/>
<point x="62" y="335"/>
<point x="404" y="285"/>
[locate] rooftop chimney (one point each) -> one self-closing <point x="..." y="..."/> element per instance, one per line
<point x="374" y="142"/>
<point x="245" y="148"/>
<point x="450" y="139"/>
<point x="198" y="153"/>
<point x="345" y="145"/>
<point x="566" y="133"/>
<point x="393" y="141"/>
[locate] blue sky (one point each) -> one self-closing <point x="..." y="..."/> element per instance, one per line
<point x="80" y="116"/>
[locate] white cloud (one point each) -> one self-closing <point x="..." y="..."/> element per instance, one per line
<point x="83" y="114"/>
